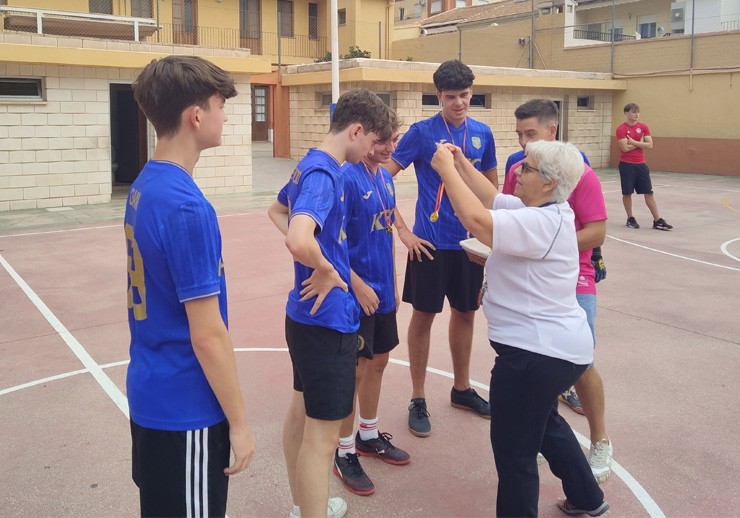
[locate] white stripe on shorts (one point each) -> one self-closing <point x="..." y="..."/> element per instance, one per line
<point x="196" y="473"/>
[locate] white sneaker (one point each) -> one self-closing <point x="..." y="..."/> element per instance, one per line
<point x="337" y="508"/>
<point x="600" y="459"/>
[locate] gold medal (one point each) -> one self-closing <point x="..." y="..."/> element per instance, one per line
<point x="434" y="217"/>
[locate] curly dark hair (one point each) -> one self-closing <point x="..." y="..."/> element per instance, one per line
<point x="453" y="75"/>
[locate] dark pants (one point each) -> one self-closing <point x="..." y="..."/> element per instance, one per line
<point x="525" y="420"/>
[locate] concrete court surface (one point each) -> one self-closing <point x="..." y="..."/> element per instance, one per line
<point x="668" y="350"/>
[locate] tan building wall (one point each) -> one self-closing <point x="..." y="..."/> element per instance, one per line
<point x="57" y="151"/>
<point x="588" y="129"/>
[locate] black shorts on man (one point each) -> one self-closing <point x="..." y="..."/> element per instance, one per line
<point x="378" y="334"/>
<point x="635" y="178"/>
<point x="324" y="363"/>
<point x="181" y="473"/>
<point x="451" y="274"/>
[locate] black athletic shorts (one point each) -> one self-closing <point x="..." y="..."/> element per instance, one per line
<point x="450" y="275"/>
<point x="635" y="178"/>
<point x="378" y="334"/>
<point x="181" y="473"/>
<point x="324" y="362"/>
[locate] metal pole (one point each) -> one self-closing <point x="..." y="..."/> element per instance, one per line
<point x="334" y="53"/>
<point x="459" y="44"/>
<point x="693" y="17"/>
<point x="279" y="35"/>
<point x="380" y="40"/>
<point x="614" y="17"/>
<point x="531" y="41"/>
<point x="158" y="31"/>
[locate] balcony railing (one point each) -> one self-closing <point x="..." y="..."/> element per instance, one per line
<point x="67" y="23"/>
<point x="264" y="43"/>
<point x="600" y="36"/>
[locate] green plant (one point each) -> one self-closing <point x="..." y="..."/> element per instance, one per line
<point x="354" y="52"/>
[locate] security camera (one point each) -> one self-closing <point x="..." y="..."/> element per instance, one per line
<point x="423" y="32"/>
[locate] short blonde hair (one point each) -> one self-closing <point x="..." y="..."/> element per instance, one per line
<point x="559" y="161"/>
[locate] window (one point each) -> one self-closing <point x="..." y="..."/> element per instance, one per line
<point x="249" y="19"/>
<point x="477" y="101"/>
<point x="285" y="17"/>
<point x="593" y="31"/>
<point x="96" y="6"/>
<point x="141" y="8"/>
<point x="313" y="21"/>
<point x="341" y="16"/>
<point x="435" y="6"/>
<point x="21" y="89"/>
<point x="585" y="102"/>
<point x="647" y="26"/>
<point x="461" y="3"/>
<point x="401" y="13"/>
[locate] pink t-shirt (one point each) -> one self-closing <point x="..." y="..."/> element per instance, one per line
<point x="636" y="132"/>
<point x="587" y="202"/>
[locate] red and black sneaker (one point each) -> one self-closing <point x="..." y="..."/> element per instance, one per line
<point x="350" y="472"/>
<point x="382" y="448"/>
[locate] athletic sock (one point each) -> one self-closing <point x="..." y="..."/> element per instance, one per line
<point x="368" y="429"/>
<point x="347" y="445"/>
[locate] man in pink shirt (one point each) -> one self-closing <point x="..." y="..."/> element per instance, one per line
<point x="633" y="138"/>
<point x="537" y="119"/>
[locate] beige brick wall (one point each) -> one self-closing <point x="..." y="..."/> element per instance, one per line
<point x="589" y="129"/>
<point x="57" y="152"/>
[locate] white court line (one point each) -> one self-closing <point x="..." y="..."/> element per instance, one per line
<point x="633" y="485"/>
<point x="727" y="252"/>
<point x="674" y="255"/>
<point x="60" y="231"/>
<point x="91" y="365"/>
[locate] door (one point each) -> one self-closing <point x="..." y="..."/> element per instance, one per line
<point x="185" y="22"/>
<point x="250" y="17"/>
<point x="128" y="135"/>
<point x="259" y="113"/>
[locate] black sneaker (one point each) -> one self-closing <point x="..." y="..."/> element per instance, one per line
<point x="382" y="448"/>
<point x="572" y="510"/>
<point x="350" y="472"/>
<point x="470" y="400"/>
<point x="661" y="224"/>
<point x="632" y="223"/>
<point x="419" y="424"/>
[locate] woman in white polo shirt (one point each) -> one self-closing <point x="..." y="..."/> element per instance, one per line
<point x="540" y="333"/>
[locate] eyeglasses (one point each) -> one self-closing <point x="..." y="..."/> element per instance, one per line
<point x="526" y="168"/>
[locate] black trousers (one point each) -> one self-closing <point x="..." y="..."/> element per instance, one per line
<point x="525" y="420"/>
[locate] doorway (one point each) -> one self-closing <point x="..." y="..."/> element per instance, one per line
<point x="185" y="22"/>
<point x="128" y="135"/>
<point x="260" y="124"/>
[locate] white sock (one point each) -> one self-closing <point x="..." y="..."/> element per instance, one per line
<point x="368" y="429"/>
<point x="347" y="445"/>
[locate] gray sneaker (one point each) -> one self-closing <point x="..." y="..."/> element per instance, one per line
<point x="632" y="223"/>
<point x="419" y="424"/>
<point x="600" y="459"/>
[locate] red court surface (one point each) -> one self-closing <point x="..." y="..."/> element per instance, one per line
<point x="668" y="336"/>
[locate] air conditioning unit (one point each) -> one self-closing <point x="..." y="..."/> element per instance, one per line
<point x="678" y="16"/>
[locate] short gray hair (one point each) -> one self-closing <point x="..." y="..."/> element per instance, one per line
<point x="559" y="161"/>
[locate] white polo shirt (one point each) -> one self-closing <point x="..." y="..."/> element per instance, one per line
<point x="532" y="273"/>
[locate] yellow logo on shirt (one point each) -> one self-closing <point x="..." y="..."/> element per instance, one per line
<point x="476" y="142"/>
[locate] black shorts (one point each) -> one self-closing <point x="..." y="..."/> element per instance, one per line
<point x="451" y="274"/>
<point x="378" y="334"/>
<point x="324" y="363"/>
<point x="181" y="473"/>
<point x="635" y="178"/>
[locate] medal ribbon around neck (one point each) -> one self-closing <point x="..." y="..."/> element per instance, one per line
<point x="434" y="216"/>
<point x="388" y="227"/>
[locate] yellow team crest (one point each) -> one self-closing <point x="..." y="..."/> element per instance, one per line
<point x="476" y="142"/>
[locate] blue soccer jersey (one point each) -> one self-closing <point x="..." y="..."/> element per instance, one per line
<point x="370" y="199"/>
<point x="316" y="189"/>
<point x="174" y="255"/>
<point x="418" y="146"/>
<point x="517" y="157"/>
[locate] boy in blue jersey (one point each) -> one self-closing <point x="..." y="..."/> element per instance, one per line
<point x="182" y="384"/>
<point x="370" y="199"/>
<point x="322" y="314"/>
<point x="537" y="119"/>
<point x="437" y="266"/>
